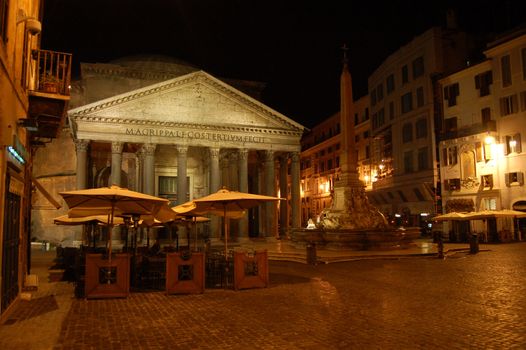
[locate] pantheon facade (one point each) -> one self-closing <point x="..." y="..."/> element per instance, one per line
<point x="165" y="128"/>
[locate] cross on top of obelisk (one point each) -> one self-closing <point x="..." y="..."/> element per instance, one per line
<point x="345" y="49"/>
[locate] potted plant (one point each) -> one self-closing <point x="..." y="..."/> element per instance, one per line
<point x="49" y="83"/>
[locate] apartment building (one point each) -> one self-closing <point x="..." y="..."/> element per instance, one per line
<point x="34" y="89"/>
<point x="482" y="159"/>
<point x="405" y="119"/>
<point x="320" y="159"/>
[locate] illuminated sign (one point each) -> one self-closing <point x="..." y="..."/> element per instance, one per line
<point x="18" y="151"/>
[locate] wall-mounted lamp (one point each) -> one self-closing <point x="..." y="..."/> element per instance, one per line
<point x="33" y="25"/>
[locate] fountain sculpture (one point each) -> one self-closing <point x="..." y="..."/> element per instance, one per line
<point x="352" y="222"/>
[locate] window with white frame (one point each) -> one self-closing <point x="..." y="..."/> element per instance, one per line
<point x="452" y="184"/>
<point x="513" y="143"/>
<point x="487" y="181"/>
<point x="449" y="155"/>
<point x="483" y="82"/>
<point x="489" y="203"/>
<point x="508" y="105"/>
<point x="489" y="143"/>
<point x="514" y="179"/>
<point x="451" y="93"/>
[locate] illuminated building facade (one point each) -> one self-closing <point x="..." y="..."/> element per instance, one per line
<point x="320" y="159"/>
<point x="482" y="157"/>
<point x="33" y="97"/>
<point x="403" y="95"/>
<point x="161" y="127"/>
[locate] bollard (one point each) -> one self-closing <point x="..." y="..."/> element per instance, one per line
<point x="440" y="246"/>
<point x="311" y="253"/>
<point x="474" y="244"/>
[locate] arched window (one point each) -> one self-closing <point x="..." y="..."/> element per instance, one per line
<point x="468" y="165"/>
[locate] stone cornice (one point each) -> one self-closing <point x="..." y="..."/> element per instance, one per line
<point x="156" y="124"/>
<point x="200" y="77"/>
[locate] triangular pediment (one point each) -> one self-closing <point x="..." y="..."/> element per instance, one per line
<point x="196" y="98"/>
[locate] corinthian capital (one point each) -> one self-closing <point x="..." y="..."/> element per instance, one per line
<point x="81" y="145"/>
<point x="214" y="152"/>
<point x="149" y="149"/>
<point x="116" y="147"/>
<point x="182" y="150"/>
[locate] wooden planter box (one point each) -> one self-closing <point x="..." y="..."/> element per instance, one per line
<point x="185" y="273"/>
<point x="250" y="271"/>
<point x="105" y="280"/>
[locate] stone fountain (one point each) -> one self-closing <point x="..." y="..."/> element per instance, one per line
<point x="352" y="222"/>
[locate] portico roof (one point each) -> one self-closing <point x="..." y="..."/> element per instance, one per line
<point x="193" y="109"/>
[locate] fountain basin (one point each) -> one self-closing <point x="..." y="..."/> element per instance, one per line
<point x="389" y="238"/>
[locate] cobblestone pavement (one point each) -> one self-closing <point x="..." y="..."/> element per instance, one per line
<point x="462" y="302"/>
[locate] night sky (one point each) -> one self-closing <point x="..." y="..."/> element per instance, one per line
<point x="292" y="45"/>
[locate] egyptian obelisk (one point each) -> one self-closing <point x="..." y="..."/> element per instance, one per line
<point x="350" y="207"/>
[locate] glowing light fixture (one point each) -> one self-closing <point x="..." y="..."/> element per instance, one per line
<point x="15" y="154"/>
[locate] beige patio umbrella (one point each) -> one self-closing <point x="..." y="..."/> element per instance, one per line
<point x="452" y="216"/>
<point x="86" y="220"/>
<point x="109" y="200"/>
<point x="225" y="202"/>
<point x="489" y="214"/>
<point x="102" y="219"/>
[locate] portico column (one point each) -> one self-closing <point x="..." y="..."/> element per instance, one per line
<point x="149" y="168"/>
<point x="116" y="163"/>
<point x="270" y="190"/>
<point x="182" y="183"/>
<point x="295" y="202"/>
<point x="243" y="187"/>
<point x="283" y="207"/>
<point x="140" y="170"/>
<point x="215" y="181"/>
<point x="81" y="146"/>
<point x="214" y="169"/>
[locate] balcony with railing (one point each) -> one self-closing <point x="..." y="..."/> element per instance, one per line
<point x="52" y="72"/>
<point x="48" y="85"/>
<point x="472" y="129"/>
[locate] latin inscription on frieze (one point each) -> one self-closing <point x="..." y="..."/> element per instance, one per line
<point x="196" y="135"/>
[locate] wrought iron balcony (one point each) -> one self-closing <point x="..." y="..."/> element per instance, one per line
<point x="48" y="88"/>
<point x="473" y="129"/>
<point x="53" y="72"/>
